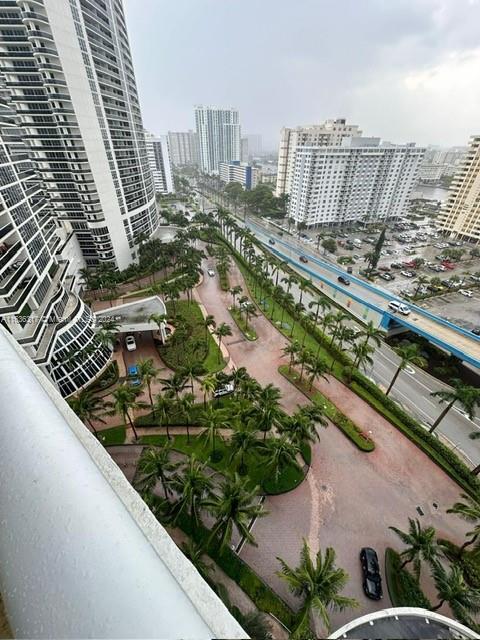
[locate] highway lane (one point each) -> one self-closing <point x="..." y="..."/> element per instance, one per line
<point x="412" y="391"/>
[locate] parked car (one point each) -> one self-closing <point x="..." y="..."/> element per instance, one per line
<point x="476" y="331"/>
<point x="395" y="265"/>
<point x="133" y="378"/>
<point x="343" y="280"/>
<point x="224" y="390"/>
<point x="211" y="272"/>
<point x="349" y="269"/>
<point x="303" y="259"/>
<point x="130" y="343"/>
<point x="386" y="276"/>
<point x="407" y="274"/>
<point x="384" y="268"/>
<point x="395" y="306"/>
<point x="372" y="581"/>
<point x="466" y="292"/>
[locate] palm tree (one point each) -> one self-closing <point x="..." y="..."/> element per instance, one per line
<point x="160" y="320"/>
<point x="303" y="358"/>
<point x="193" y="370"/>
<point x="148" y="373"/>
<point x="452" y="588"/>
<point x="318" y="583"/>
<point x="222" y="331"/>
<point x="281" y="453"/>
<point x="163" y="410"/>
<point x="174" y="385"/>
<point x="292" y="349"/>
<point x="192" y="486"/>
<point x="208" y="386"/>
<point x="316" y="368"/>
<point x="408" y="354"/>
<point x="468" y="397"/>
<point x="340" y="317"/>
<point x="88" y="408"/>
<point x="268" y="411"/>
<point x="208" y="322"/>
<point x="185" y="404"/>
<point x="235" y="291"/>
<point x="124" y="400"/>
<point x="195" y="553"/>
<point x="421" y="280"/>
<point x="421" y="543"/>
<point x="362" y="351"/>
<point x="242" y="441"/>
<point x="153" y="465"/>
<point x="296" y="312"/>
<point x="301" y="427"/>
<point x="469" y="510"/>
<point x="303" y="286"/>
<point x="212" y="420"/>
<point x="321" y="303"/>
<point x="371" y="332"/>
<point x="234" y="506"/>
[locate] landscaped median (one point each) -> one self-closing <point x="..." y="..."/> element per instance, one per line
<point x="403" y="589"/>
<point x="247" y="330"/>
<point x="354" y="433"/>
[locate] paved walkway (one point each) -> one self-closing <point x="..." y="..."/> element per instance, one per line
<point x="350" y="498"/>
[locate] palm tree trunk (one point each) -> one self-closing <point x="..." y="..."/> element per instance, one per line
<point x="436" y="607"/>
<point x="132" y="426"/>
<point x="441" y="416"/>
<point x="404" y="564"/>
<point x="476" y="470"/>
<point x="92" y="427"/>
<point x="393" y="380"/>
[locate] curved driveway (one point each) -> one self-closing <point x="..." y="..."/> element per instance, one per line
<point x="350" y="498"/>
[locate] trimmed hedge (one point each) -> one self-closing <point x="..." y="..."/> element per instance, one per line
<point x="403" y="589"/>
<point x="258" y="591"/>
<point x="351" y="430"/>
<point x="469" y="561"/>
<point x="435" y="449"/>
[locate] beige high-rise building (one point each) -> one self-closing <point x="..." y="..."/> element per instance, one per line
<point x="460" y="215"/>
<point x="329" y="134"/>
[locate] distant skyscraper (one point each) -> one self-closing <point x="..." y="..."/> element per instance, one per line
<point x="218" y="133"/>
<point x="159" y="160"/>
<point x="244" y="152"/>
<point x="69" y="68"/>
<point x="39" y="258"/>
<point x="460" y="216"/>
<point x="254" y="143"/>
<point x="331" y="133"/>
<point x="183" y="148"/>
<point x="359" y="181"/>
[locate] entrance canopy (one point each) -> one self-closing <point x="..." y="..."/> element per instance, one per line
<point x="134" y="316"/>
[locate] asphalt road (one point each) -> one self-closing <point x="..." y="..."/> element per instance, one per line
<point x="412" y="388"/>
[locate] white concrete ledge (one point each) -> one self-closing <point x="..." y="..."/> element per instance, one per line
<point x="81" y="556"/>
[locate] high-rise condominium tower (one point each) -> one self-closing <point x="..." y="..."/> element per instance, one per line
<point x="460" y="216"/>
<point x="218" y="132"/>
<point x="329" y="134"/>
<point x="360" y="181"/>
<point x="160" y="164"/>
<point x="183" y="148"/>
<point x="39" y="259"/>
<point x="68" y="66"/>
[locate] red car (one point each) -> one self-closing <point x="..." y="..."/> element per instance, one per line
<point x="448" y="265"/>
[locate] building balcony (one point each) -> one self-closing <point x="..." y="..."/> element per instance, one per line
<point x="84" y="559"/>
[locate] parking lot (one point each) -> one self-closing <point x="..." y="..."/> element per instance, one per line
<point x="401" y="248"/>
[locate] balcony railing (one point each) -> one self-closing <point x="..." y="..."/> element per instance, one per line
<point x="81" y="554"/>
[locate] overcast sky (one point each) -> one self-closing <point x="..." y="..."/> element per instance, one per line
<point x="404" y="70"/>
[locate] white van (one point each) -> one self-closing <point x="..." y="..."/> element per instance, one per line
<point x="395" y="306"/>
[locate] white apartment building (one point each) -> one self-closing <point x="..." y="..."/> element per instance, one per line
<point x="183" y="147"/>
<point x="460" y="216"/>
<point x="69" y="69"/>
<point x="329" y="134"/>
<point x="218" y="132"/>
<point x="430" y="172"/>
<point x="159" y="160"/>
<point x="39" y="260"/>
<point x="245" y="174"/>
<point x="362" y="180"/>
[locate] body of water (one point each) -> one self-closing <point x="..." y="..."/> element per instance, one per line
<point x="431" y="193"/>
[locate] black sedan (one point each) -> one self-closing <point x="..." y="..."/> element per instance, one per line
<point x="372" y="582"/>
<point x="344" y="280"/>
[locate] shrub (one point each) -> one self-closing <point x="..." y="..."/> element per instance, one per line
<point x="403" y="589"/>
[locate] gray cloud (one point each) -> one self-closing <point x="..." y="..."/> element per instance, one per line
<point x="402" y="69"/>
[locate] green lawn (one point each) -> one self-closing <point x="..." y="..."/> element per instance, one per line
<point x="115" y="435"/>
<point x="257" y="472"/>
<point x="351" y="430"/>
<point x="247" y="330"/>
<point x="182" y="348"/>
